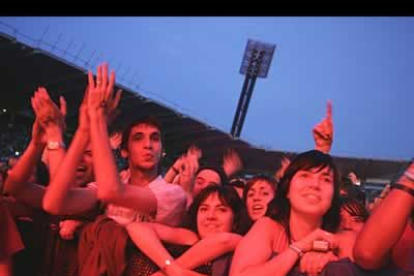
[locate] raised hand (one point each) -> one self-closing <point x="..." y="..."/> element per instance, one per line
<point x="179" y="164"/>
<point x="283" y="166"/>
<point x="101" y="101"/>
<point x="232" y="162"/>
<point x="188" y="172"/>
<point x="47" y="112"/>
<point x="193" y="150"/>
<point x="354" y="179"/>
<point x="115" y="140"/>
<point x="323" y="131"/>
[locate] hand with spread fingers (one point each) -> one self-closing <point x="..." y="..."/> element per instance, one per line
<point x="323" y="132"/>
<point x="101" y="101"/>
<point x="115" y="140"/>
<point x="232" y="162"/>
<point x="188" y="172"/>
<point x="283" y="166"/>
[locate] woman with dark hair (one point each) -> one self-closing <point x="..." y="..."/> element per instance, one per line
<point x="299" y="223"/>
<point x="212" y="229"/>
<point x="257" y="194"/>
<point x="353" y="214"/>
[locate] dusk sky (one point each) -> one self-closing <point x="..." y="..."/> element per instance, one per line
<point x="363" y="64"/>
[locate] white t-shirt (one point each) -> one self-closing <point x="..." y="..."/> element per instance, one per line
<point x="171" y="205"/>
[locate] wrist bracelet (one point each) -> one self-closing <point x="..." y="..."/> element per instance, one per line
<point x="296" y="249"/>
<point x="403" y="188"/>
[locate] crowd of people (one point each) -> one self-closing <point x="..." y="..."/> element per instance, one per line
<point x="70" y="210"/>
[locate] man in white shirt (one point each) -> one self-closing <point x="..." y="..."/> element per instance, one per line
<point x="146" y="196"/>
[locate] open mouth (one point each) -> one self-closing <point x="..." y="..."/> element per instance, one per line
<point x="312" y="197"/>
<point x="81" y="170"/>
<point x="258" y="208"/>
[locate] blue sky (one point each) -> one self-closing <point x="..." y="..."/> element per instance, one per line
<point x="363" y="64"/>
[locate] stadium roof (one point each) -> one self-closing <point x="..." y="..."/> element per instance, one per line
<point x="24" y="68"/>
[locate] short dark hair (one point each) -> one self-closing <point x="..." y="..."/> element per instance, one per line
<point x="229" y="197"/>
<point x="148" y="120"/>
<point x="279" y="208"/>
<point x="260" y="177"/>
<point x="218" y="170"/>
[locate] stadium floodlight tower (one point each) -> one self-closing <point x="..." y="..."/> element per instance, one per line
<point x="256" y="63"/>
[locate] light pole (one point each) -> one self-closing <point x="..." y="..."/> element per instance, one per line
<point x="256" y="62"/>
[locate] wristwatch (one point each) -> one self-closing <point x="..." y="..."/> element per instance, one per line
<point x="54" y="145"/>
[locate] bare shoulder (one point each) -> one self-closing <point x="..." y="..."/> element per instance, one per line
<point x="267" y="225"/>
<point x="345" y="236"/>
<point x="346" y="242"/>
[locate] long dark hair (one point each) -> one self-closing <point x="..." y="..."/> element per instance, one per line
<point x="229" y="197"/>
<point x="279" y="208"/>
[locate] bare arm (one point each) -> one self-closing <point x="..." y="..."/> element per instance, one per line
<point x="174" y="170"/>
<point x="17" y="183"/>
<point x="208" y="249"/>
<point x="48" y="125"/>
<point x="110" y="188"/>
<point x="255" y="249"/>
<point x="148" y="236"/>
<point x="380" y="233"/>
<point x="323" y="132"/>
<point x="61" y="197"/>
<point x="52" y="120"/>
